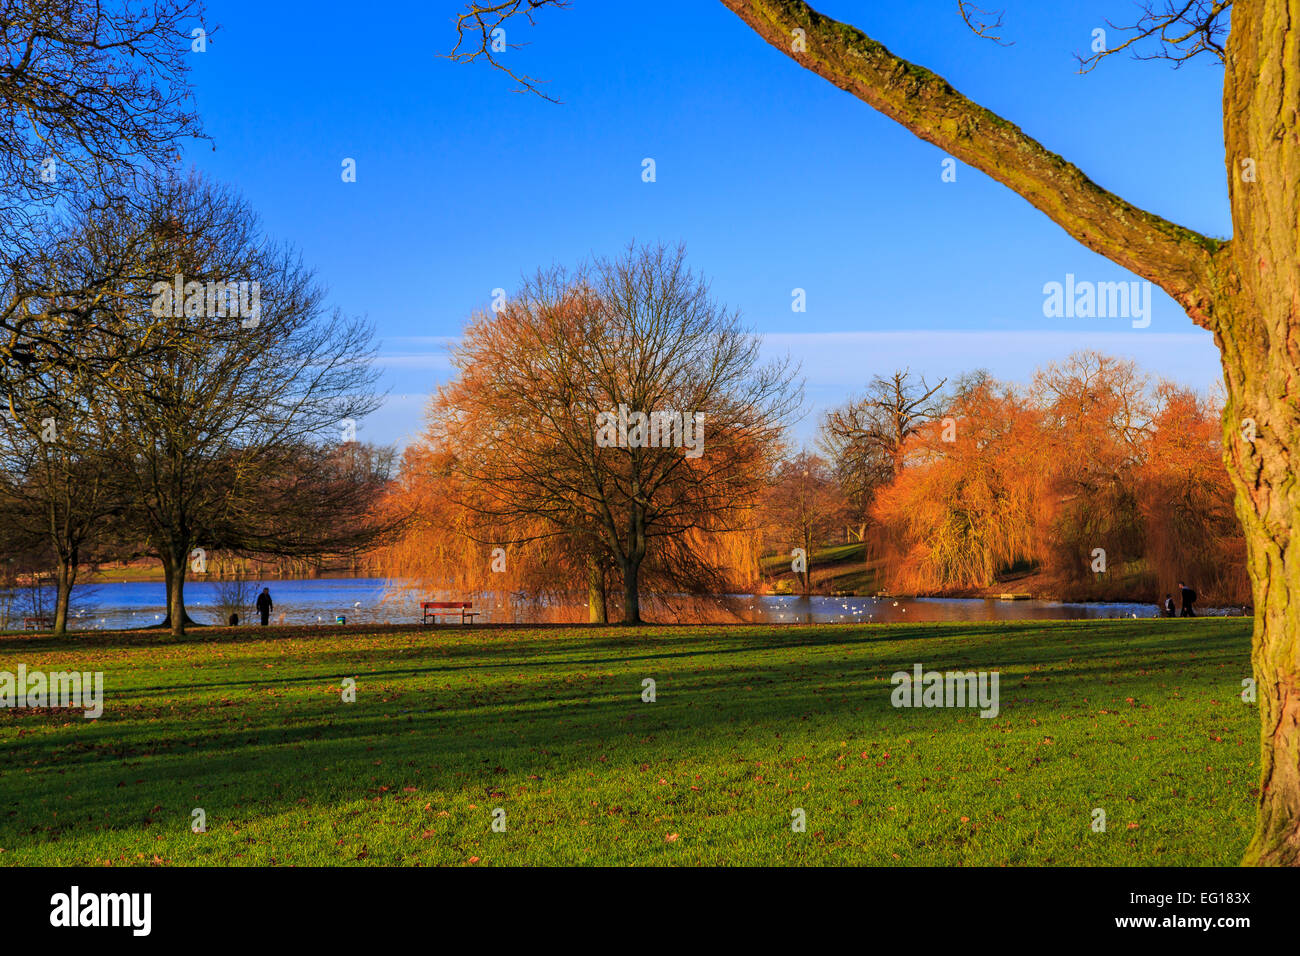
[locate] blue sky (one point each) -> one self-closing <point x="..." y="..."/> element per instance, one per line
<point x="773" y="178"/>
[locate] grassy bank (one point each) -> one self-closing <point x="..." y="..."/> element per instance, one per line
<point x="1140" y="718"/>
<point x="844" y="569"/>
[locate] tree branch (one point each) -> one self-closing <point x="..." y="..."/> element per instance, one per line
<point x="1177" y="259"/>
<point x="477" y="26"/>
<point x="1184" y="28"/>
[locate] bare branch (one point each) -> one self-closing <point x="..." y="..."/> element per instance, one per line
<point x="479" y="24"/>
<point x="983" y="22"/>
<point x="1184" y="28"/>
<point x="1177" y="259"/>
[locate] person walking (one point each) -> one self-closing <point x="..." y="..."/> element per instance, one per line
<point x="264" y="606"/>
<point x="1169" y="606"/>
<point x="1189" y="599"/>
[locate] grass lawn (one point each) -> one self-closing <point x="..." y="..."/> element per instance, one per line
<point x="1140" y="718"/>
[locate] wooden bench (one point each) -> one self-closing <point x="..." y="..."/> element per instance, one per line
<point x="432" y="609"/>
<point x="37" y="623"/>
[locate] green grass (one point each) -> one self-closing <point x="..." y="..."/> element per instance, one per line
<point x="107" y="575"/>
<point x="839" y="569"/>
<point x="1141" y="718"/>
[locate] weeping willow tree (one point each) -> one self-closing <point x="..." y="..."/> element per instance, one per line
<point x="1185" y="496"/>
<point x="452" y="548"/>
<point x="455" y="546"/>
<point x="968" y="503"/>
<point x="1097" y="417"/>
<point x="617" y="411"/>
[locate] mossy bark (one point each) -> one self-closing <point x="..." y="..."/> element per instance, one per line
<point x="1259" y="335"/>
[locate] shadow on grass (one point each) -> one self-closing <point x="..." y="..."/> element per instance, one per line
<point x="472" y="712"/>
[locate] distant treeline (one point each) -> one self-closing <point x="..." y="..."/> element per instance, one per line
<point x="1098" y="482"/>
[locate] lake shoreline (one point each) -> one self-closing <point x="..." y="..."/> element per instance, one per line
<point x="91" y="581"/>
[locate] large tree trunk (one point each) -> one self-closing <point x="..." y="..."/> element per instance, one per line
<point x="1260" y="339"/>
<point x="1268" y="510"/>
<point x="632" y="591"/>
<point x="597" y="612"/>
<point x="176" y="599"/>
<point x="65" y="577"/>
<point x="1262" y="450"/>
<point x="173" y="560"/>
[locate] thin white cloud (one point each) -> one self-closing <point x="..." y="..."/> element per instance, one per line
<point x="852" y="358"/>
<point x="431" y="360"/>
<point x="836" y="365"/>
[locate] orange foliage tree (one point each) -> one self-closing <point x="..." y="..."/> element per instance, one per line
<point x="613" y="421"/>
<point x="1186" y="501"/>
<point x="801" y="508"/>
<point x="1103" y="484"/>
<point x="964" y="505"/>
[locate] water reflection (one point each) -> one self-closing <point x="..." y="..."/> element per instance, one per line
<point x="838" y="610"/>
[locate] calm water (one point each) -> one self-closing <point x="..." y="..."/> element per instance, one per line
<point x="823" y="610"/>
<point x="126" y="604"/>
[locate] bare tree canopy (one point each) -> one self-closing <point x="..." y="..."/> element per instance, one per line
<point x="620" y="406"/>
<point x="1182" y="30"/>
<point x="480" y="33"/>
<point x="261" y="378"/>
<point x="94" y="99"/>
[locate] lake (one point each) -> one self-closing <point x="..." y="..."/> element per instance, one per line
<point x="130" y="604"/>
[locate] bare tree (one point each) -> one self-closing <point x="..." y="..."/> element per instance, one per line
<point x="305" y="498"/>
<point x="1182" y="29"/>
<point x="622" y="405"/>
<point x="803" y="506"/>
<point x="264" y="374"/>
<point x="892" y="411"/>
<point x="93" y="98"/>
<point x="480" y="33"/>
<point x="866" y="438"/>
<point x="57" y="473"/>
<point x="57" y="480"/>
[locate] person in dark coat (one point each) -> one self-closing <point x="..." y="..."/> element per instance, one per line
<point x="1169" y="606"/>
<point x="1189" y="598"/>
<point x="264" y="606"/>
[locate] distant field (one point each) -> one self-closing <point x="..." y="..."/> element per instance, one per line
<point x="143" y="572"/>
<point x="840" y="569"/>
<point x="1140" y="718"/>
